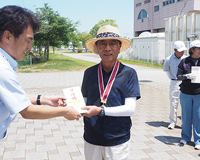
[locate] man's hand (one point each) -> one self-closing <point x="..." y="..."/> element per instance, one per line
<point x="53" y="100"/>
<point x="190" y="76"/>
<point x="92" y="111"/>
<point x="72" y="113"/>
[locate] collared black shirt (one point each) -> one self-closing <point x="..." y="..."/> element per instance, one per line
<point x="185" y="68"/>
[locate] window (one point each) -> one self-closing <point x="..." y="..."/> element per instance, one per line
<point x="165" y="3"/>
<point x="147" y="1"/>
<point x="168" y="2"/>
<point x="138" y="4"/>
<point x="143" y="14"/>
<point x="179" y="0"/>
<point x="156" y="8"/>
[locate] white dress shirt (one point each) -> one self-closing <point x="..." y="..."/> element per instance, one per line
<point x="13" y="98"/>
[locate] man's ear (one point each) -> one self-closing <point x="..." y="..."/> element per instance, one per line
<point x="6" y="36"/>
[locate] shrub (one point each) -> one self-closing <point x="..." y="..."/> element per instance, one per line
<point x="79" y="50"/>
<point x="26" y="61"/>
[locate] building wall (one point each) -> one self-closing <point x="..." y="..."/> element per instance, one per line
<point x="185" y="28"/>
<point x="155" y="20"/>
<point x="197" y="5"/>
<point x="149" y="48"/>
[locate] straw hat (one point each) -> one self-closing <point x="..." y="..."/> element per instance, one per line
<point x="104" y="33"/>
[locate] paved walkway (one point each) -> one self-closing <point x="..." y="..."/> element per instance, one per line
<point x="60" y="139"/>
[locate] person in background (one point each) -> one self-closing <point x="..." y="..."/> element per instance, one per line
<point x="110" y="90"/>
<point x="190" y="96"/>
<point x="171" y="67"/>
<point x="16" y="34"/>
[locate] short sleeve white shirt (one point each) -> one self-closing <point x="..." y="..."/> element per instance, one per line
<point x="13" y="98"/>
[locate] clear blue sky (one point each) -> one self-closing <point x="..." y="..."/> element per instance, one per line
<point x="88" y="12"/>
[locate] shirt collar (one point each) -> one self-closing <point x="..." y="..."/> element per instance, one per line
<point x="10" y="60"/>
<point x="194" y="60"/>
<point x="175" y="56"/>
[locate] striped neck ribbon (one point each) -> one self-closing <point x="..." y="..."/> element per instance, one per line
<point x="105" y="93"/>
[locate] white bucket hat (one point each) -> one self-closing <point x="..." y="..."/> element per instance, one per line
<point x="107" y="32"/>
<point x="195" y="43"/>
<point x="180" y="46"/>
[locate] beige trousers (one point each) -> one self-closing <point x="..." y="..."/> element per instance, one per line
<point x="174" y="94"/>
<point x="95" y="152"/>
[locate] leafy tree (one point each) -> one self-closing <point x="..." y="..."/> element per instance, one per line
<point x="75" y="40"/>
<point x="83" y="37"/>
<point x="54" y="31"/>
<point x="101" y="23"/>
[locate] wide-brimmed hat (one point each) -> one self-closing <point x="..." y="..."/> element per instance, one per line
<point x="195" y="43"/>
<point x="180" y="46"/>
<point x="104" y="33"/>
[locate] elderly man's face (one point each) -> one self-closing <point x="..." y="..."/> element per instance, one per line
<point x="108" y="50"/>
<point x="178" y="54"/>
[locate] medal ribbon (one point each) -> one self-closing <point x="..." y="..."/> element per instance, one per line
<point x="104" y="93"/>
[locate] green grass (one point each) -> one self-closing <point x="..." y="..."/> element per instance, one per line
<point x="70" y="52"/>
<point x="59" y="62"/>
<point x="56" y="62"/>
<point x="148" y="64"/>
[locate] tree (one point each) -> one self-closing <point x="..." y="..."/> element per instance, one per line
<point x="101" y="23"/>
<point x="83" y="37"/>
<point x="75" y="40"/>
<point x="54" y="31"/>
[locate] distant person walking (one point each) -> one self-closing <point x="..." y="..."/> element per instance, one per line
<point x="171" y="67"/>
<point x="190" y="96"/>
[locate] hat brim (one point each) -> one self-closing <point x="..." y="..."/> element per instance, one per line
<point x="182" y="49"/>
<point x="198" y="46"/>
<point x="90" y="44"/>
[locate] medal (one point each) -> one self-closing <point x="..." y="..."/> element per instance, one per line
<point x="103" y="105"/>
<point x="105" y="93"/>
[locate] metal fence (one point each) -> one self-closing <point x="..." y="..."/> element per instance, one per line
<point x="154" y="52"/>
<point x="26" y="61"/>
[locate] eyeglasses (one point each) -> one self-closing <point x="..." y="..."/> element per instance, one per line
<point x="112" y="44"/>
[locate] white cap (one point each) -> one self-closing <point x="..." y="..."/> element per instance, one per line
<point x="180" y="46"/>
<point x="195" y="43"/>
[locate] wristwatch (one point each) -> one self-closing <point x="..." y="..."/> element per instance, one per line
<point x="102" y="113"/>
<point x="38" y="100"/>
